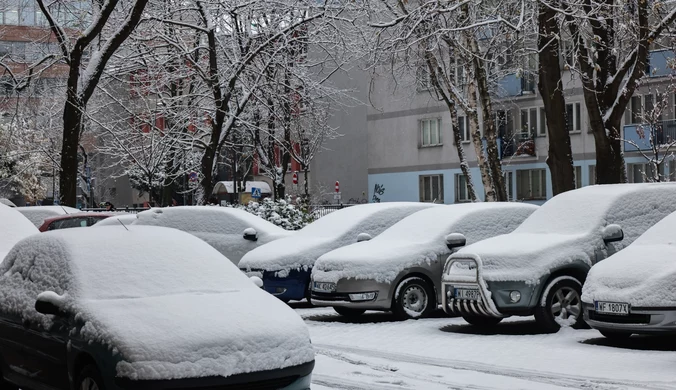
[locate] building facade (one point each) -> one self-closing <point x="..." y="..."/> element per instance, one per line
<point x="411" y="155"/>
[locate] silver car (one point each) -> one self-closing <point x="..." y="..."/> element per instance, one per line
<point x="400" y="270"/>
<point x="633" y="290"/>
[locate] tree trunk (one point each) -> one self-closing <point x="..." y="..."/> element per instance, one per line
<point x="560" y="156"/>
<point x="306" y="187"/>
<point x="475" y="131"/>
<point x="72" y="128"/>
<point x="457" y="139"/>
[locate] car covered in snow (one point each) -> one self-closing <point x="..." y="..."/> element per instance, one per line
<point x="7" y="202"/>
<point x="633" y="290"/>
<point x="72" y="221"/>
<point x="157" y="309"/>
<point x="540" y="267"/>
<point x="122" y="219"/>
<point x="38" y="214"/>
<point x="231" y="231"/>
<point x="13" y="228"/>
<point x="400" y="269"/>
<point x="285" y="265"/>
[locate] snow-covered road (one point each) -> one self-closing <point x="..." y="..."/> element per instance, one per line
<point x="377" y="353"/>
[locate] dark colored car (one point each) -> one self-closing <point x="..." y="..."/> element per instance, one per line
<point x="72" y="221"/>
<point x="141" y="308"/>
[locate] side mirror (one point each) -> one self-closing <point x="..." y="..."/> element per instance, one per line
<point x="48" y="302"/>
<point x="455" y="240"/>
<point x="612" y="233"/>
<point x="363" y="237"/>
<point x="250" y="234"/>
<point x="257" y="281"/>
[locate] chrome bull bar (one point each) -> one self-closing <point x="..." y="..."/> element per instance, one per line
<point x="481" y="307"/>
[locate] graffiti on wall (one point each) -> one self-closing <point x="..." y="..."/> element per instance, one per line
<point x="378" y="191"/>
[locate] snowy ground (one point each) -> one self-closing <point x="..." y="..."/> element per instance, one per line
<point x="377" y="353"/>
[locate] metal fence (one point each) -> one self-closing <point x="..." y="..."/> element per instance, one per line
<point x="130" y="210"/>
<point x="321" y="210"/>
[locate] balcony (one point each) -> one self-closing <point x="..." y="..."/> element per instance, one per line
<point x="664" y="134"/>
<point x="520" y="145"/>
<point x="661" y="63"/>
<point x="517" y="85"/>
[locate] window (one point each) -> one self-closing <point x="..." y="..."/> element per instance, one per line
<point x="634" y="111"/>
<point x="463" y="128"/>
<point x="461" y="189"/>
<point x="592" y="175"/>
<point x="531" y="122"/>
<point x="509" y="185"/>
<point x="642" y="173"/>
<point x="573" y="117"/>
<point x="422" y="78"/>
<point x="542" y="129"/>
<point x="578" y="176"/>
<point x="531" y="184"/>
<point x="431" y="188"/>
<point x="459" y="76"/>
<point x="430" y="132"/>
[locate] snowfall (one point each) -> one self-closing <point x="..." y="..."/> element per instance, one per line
<point x="375" y="352"/>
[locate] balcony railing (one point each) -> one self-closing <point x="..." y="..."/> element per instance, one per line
<point x="517" y="85"/>
<point x="638" y="137"/>
<point x="520" y="145"/>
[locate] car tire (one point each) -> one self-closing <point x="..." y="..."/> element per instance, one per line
<point x="348" y="312"/>
<point x="414" y="298"/>
<point x="562" y="302"/>
<point x="615" y="335"/>
<point x="90" y="379"/>
<point x="482" y="321"/>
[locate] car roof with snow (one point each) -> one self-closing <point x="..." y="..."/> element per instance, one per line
<point x="332" y="231"/>
<point x="38" y="214"/>
<point x="643" y="274"/>
<point x="124" y="218"/>
<point x="568" y="228"/>
<point x="421" y="237"/>
<point x="208" y="219"/>
<point x="126" y="283"/>
<point x="13" y="228"/>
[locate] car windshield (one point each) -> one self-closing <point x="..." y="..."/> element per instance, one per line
<point x="566" y="214"/>
<point x="424" y="226"/>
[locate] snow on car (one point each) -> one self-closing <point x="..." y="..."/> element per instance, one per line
<point x="285" y="265"/>
<point x="13" y="228"/>
<point x="118" y="220"/>
<point x="38" y="214"/>
<point x="232" y="232"/>
<point x="539" y="268"/>
<point x="400" y="269"/>
<point x="143" y="307"/>
<point x="633" y="290"/>
<point x="7" y="202"/>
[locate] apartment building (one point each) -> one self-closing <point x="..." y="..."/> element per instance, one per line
<point x="411" y="155"/>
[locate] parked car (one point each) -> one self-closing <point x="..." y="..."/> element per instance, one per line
<point x="540" y="267"/>
<point x="285" y="265"/>
<point x="632" y="292"/>
<point x="7" y="202"/>
<point x="13" y="228"/>
<point x="141" y="308"/>
<point x="407" y="259"/>
<point x="38" y="214"/>
<point x="68" y="221"/>
<point x="118" y="220"/>
<point x="231" y="231"/>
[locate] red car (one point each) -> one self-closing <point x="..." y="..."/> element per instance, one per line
<point x="73" y="220"/>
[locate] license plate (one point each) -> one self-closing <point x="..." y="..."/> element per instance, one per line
<point x="612" y="308"/>
<point x="467" y="293"/>
<point x="322" y="286"/>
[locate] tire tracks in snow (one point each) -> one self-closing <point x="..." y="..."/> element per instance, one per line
<point x="586" y="383"/>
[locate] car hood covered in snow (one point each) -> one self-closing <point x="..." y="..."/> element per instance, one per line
<point x="167" y="304"/>
<point x="13" y="228"/>
<point x="642" y="275"/>
<point x="418" y="239"/>
<point x="568" y="229"/>
<point x="340" y="228"/>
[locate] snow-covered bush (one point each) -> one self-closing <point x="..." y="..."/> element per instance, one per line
<point x="282" y="212"/>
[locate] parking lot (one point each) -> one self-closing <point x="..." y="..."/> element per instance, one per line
<point x="375" y="352"/>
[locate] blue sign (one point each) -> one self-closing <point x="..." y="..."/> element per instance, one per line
<point x="255" y="192"/>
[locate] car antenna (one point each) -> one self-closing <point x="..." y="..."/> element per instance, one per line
<point x="122" y="224"/>
<point x="64" y="209"/>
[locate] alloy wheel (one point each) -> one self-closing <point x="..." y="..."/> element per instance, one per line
<point x="566" y="304"/>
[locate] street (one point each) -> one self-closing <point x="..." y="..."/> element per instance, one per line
<point x="375" y="352"/>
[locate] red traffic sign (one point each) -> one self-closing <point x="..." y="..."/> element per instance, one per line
<point x="295" y="178"/>
<point x="337" y="186"/>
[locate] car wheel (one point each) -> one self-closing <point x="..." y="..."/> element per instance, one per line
<point x="89" y="379"/>
<point x="414" y="298"/>
<point x="615" y="335"/>
<point x="562" y="306"/>
<point x="482" y="321"/>
<point x="348" y="312"/>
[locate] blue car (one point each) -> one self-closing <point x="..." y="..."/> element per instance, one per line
<point x="285" y="265"/>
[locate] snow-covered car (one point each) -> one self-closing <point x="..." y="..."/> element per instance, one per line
<point x="118" y="220"/>
<point x="141" y="308"/>
<point x="633" y="290"/>
<point x="400" y="269"/>
<point x="7" y="202"/>
<point x="285" y="265"/>
<point x="72" y="221"/>
<point x="13" y="228"/>
<point x="231" y="231"/>
<point x="38" y="214"/>
<point x="540" y="267"/>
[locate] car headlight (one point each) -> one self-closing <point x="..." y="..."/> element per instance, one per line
<point x="515" y="296"/>
<point x="369" y="296"/>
